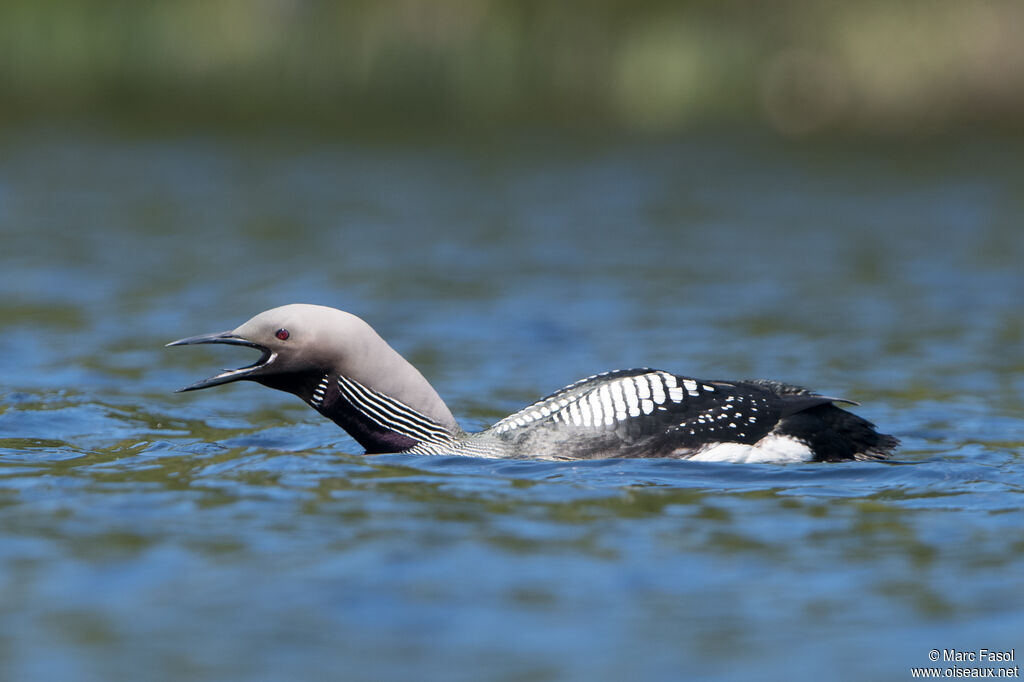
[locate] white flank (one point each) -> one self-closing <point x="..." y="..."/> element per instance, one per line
<point x="771" y="448"/>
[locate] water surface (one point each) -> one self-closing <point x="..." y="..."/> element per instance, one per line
<point x="233" y="534"/>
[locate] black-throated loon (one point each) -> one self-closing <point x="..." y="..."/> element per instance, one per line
<point x="341" y="367"/>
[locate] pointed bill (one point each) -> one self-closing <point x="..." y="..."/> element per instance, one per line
<point x="228" y="375"/>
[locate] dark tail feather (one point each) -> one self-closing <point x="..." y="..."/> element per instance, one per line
<point x="882" y="449"/>
<point x="836" y="435"/>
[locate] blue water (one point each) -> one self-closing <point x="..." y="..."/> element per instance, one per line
<point x="232" y="534"/>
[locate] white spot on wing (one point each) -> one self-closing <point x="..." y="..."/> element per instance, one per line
<point x="607" y="404"/>
<point x="628" y="388"/>
<point x="575" y="415"/>
<point x="594" y="401"/>
<point x="618" y="400"/>
<point x="643" y="389"/>
<point x="657" y="392"/>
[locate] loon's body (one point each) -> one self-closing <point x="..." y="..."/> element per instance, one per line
<point x="337" y="364"/>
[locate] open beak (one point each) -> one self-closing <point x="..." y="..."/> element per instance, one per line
<point x="228" y="375"/>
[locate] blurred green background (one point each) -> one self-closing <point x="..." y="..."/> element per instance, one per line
<point x="798" y="67"/>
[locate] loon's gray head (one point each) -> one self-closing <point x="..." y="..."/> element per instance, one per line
<point x="302" y="343"/>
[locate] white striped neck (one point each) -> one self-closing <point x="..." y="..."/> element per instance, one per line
<point x="375" y="420"/>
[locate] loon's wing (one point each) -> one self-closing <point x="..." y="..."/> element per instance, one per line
<point x="655" y="411"/>
<point x="793" y="399"/>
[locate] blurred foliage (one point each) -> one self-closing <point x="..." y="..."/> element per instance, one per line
<point x="797" y="66"/>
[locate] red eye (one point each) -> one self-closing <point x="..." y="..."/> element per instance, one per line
<point x="282" y="334"/>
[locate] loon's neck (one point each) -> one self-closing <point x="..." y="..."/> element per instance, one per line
<point x="368" y="360"/>
<point x="353" y="377"/>
<point x="375" y="420"/>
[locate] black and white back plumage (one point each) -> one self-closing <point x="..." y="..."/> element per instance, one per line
<point x="652" y="413"/>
